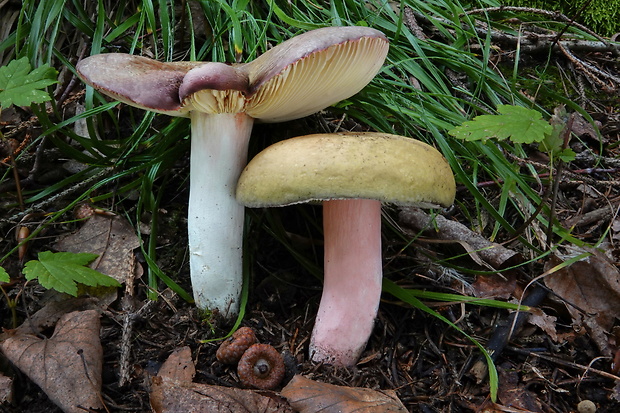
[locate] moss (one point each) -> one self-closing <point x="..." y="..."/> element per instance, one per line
<point x="602" y="16"/>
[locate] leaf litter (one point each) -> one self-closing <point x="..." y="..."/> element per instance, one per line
<point x="72" y="355"/>
<point x="415" y="354"/>
<point x="172" y="391"/>
<point x="590" y="290"/>
<point x="112" y="238"/>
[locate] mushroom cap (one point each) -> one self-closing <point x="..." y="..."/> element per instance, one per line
<point x="370" y="165"/>
<point x="137" y="81"/>
<point x="311" y="71"/>
<point x="293" y="79"/>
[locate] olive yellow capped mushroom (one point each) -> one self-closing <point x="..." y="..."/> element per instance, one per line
<point x="294" y="79"/>
<point x="352" y="174"/>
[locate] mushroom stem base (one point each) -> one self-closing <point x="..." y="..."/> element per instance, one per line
<point x="215" y="220"/>
<point x="352" y="285"/>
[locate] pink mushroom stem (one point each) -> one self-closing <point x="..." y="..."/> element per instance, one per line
<point x="352" y="281"/>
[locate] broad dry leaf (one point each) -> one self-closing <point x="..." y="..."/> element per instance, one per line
<point x="169" y="397"/>
<point x="6" y="389"/>
<point x="308" y="396"/>
<point x="591" y="289"/>
<point x="496" y="286"/>
<point x="514" y="394"/>
<point x="545" y="322"/>
<point x="179" y="367"/>
<point x="48" y="316"/>
<point x="73" y="355"/>
<point x="172" y="391"/>
<point x="112" y="238"/>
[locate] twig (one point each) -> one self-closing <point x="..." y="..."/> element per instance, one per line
<point x="49" y="201"/>
<point x="535" y="43"/>
<point x="564" y="363"/>
<point x="601" y="214"/>
<point x="479" y="248"/>
<point x="590" y="70"/>
<point x="551" y="14"/>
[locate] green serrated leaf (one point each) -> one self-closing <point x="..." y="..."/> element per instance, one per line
<point x="21" y="86"/>
<point x="567" y="155"/>
<point x="4" y="276"/>
<point x="62" y="271"/>
<point x="519" y="124"/>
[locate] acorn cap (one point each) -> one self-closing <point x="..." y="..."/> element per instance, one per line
<point x="368" y="165"/>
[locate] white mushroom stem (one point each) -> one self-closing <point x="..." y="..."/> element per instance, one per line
<point x="219" y="149"/>
<point x="352" y="280"/>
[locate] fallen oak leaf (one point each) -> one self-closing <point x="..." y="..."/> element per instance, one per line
<point x="72" y="355"/>
<point x="307" y="396"/>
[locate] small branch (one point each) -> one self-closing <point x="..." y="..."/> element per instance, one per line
<point x="565" y="363"/>
<point x="478" y="247"/>
<point x="554" y="15"/>
<point x="43" y="205"/>
<point x="601" y="214"/>
<point x="534" y="42"/>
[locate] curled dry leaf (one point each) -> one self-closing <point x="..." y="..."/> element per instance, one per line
<point x="308" y="396"/>
<point x="591" y="289"/>
<point x="545" y="322"/>
<point x="72" y="355"/>
<point x="172" y="391"/>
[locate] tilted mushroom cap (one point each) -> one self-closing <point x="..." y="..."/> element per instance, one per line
<point x="294" y="79"/>
<point x="369" y="165"/>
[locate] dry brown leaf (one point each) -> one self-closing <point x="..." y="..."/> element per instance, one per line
<point x="545" y="322"/>
<point x="110" y="237"/>
<point x="308" y="396"/>
<point x="6" y="389"/>
<point x="591" y="290"/>
<point x="48" y="316"/>
<point x="179" y="367"/>
<point x="515" y="395"/>
<point x="72" y="355"/>
<point x="172" y="391"/>
<point x="170" y="397"/>
<point x="495" y="286"/>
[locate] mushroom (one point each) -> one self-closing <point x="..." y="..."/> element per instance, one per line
<point x="352" y="174"/>
<point x="294" y="79"/>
